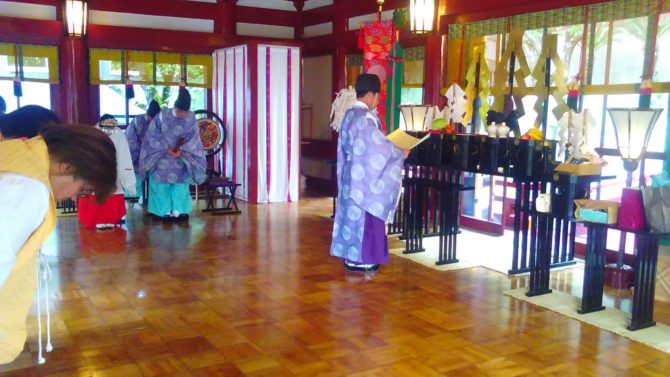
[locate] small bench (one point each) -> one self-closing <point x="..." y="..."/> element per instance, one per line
<point x="211" y="186"/>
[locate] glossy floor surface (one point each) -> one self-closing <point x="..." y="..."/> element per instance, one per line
<point x="257" y="294"/>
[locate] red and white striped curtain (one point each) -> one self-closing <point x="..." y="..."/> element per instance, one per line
<point x="278" y="123"/>
<point x="231" y="82"/>
<point x="277" y="176"/>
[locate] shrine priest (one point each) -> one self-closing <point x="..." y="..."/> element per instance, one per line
<point x="369" y="176"/>
<point x="172" y="157"/>
<point x="135" y="134"/>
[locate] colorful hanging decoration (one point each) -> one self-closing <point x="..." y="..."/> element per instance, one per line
<point x="378" y="37"/>
<point x="512" y="68"/>
<point x="477" y="63"/>
<point x="645" y="94"/>
<point x="548" y="57"/>
<point x="18" y="90"/>
<point x="455" y="109"/>
<point x="573" y="133"/>
<point x="344" y="100"/>
<point x="394" y="86"/>
<point x="130" y="90"/>
<point x="573" y="94"/>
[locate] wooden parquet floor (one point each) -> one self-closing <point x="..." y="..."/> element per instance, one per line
<point x="257" y="294"/>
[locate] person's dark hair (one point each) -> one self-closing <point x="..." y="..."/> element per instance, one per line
<point x="105" y="117"/>
<point x="107" y="121"/>
<point x="26" y="121"/>
<point x="367" y="82"/>
<point x="3" y="106"/>
<point x="90" y="153"/>
<point x="153" y="108"/>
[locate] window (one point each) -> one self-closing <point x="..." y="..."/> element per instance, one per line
<point x="113" y="99"/>
<point x="34" y="93"/>
<point x="154" y="75"/>
<point x="35" y="66"/>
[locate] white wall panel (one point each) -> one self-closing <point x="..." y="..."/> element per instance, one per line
<point x="258" y="30"/>
<point x="318" y="29"/>
<point x="267" y="4"/>
<point x="311" y="4"/>
<point x="151" y="22"/>
<point x="23" y="10"/>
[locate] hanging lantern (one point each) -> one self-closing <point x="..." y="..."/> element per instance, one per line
<point x="421" y="16"/>
<point x="75" y="17"/>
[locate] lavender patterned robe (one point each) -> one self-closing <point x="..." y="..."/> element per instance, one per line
<point x="369" y="176"/>
<point x="135" y="134"/>
<point x="164" y="132"/>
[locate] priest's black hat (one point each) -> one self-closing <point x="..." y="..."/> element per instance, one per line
<point x="367" y="82"/>
<point x="153" y="108"/>
<point x="183" y="101"/>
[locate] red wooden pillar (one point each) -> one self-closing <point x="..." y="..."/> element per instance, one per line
<point x="227" y="23"/>
<point x="434" y="74"/>
<point x="75" y="96"/>
<point x="340" y="51"/>
<point x="298" y="29"/>
<point x="252" y="55"/>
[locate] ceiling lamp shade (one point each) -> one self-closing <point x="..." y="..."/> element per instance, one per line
<point x="421" y="16"/>
<point x="632" y="128"/>
<point x="414" y="116"/>
<point x="75" y="17"/>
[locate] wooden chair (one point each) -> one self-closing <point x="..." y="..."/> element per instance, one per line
<point x="211" y="186"/>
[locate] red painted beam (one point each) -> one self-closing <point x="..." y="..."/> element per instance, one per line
<point x="318" y="15"/>
<point x="266" y="16"/>
<point x="104" y="36"/>
<point x="20" y="30"/>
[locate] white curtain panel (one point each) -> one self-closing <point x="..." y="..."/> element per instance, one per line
<point x="231" y="81"/>
<point x="278" y="123"/>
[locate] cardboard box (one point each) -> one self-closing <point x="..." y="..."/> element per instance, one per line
<point x="579" y="169"/>
<point x="597" y="211"/>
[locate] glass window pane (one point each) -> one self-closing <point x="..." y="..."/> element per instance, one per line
<point x="628" y="51"/>
<point x="110" y="70"/>
<point x="34" y="93"/>
<point x="532" y="48"/>
<point x="569" y="46"/>
<point x="661" y="72"/>
<point x="599" y="53"/>
<point x="141" y="71"/>
<point x="113" y="101"/>
<point x="411" y="96"/>
<point x="7" y="93"/>
<point x="195" y="74"/>
<point x="198" y="98"/>
<point x="35" y="67"/>
<point x="168" y="73"/>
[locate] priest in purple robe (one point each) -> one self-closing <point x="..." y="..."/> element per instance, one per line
<point x="135" y="134"/>
<point x="172" y="157"/>
<point x="369" y="176"/>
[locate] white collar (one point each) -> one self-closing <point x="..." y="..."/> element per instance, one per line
<point x="361" y="104"/>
